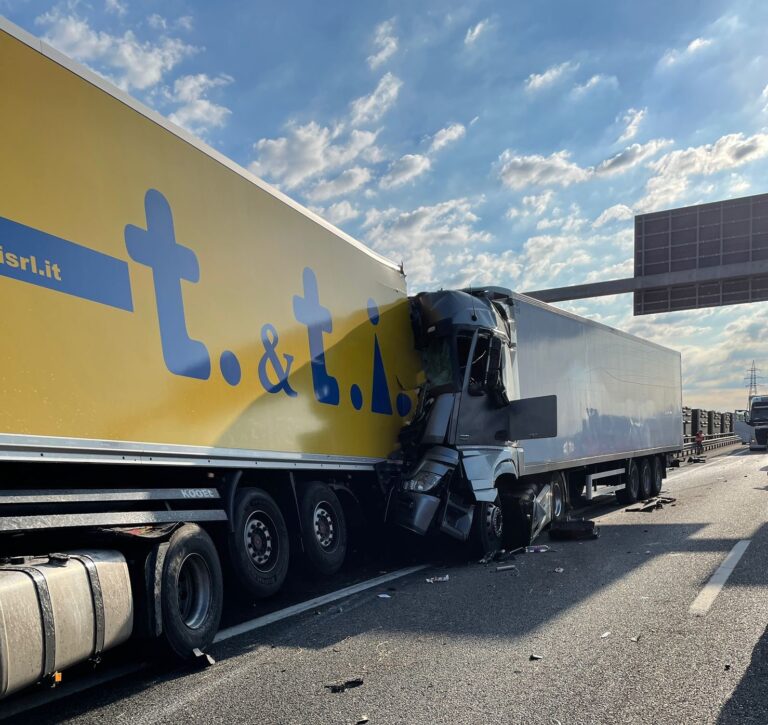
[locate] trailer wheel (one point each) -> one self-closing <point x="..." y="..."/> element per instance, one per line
<point x="323" y="529"/>
<point x="629" y="493"/>
<point x="658" y="476"/>
<point x="258" y="545"/>
<point x="646" y="480"/>
<point x="487" y="532"/>
<point x="191" y="591"/>
<point x="559" y="498"/>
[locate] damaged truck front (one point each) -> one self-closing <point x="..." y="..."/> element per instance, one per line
<point x="526" y="409"/>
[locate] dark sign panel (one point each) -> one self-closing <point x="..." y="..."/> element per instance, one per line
<point x="707" y="255"/>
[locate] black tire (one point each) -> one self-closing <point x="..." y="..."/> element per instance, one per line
<point x="259" y="546"/>
<point x="323" y="529"/>
<point x="487" y="532"/>
<point x="191" y="592"/>
<point x="559" y="498"/>
<point x="658" y="476"/>
<point x="628" y="494"/>
<point x="646" y="480"/>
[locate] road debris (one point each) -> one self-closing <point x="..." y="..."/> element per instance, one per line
<point x="507" y="567"/>
<point x="384" y="596"/>
<point x="605" y="635"/>
<point x="436" y="579"/>
<point x="727" y="667"/>
<point x="489" y="557"/>
<point x="363" y="720"/>
<point x="635" y="639"/>
<point x="652" y="504"/>
<point x="538" y="549"/>
<point x="343" y="686"/>
<point x="574" y="529"/>
<point x="559" y="570"/>
<point x="536" y="657"/>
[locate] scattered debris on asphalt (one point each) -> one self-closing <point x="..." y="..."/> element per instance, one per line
<point x="343" y="686"/>
<point x="436" y="579"/>
<point x="538" y="549"/>
<point x="507" y="567"/>
<point x="384" y="596"/>
<point x="559" y="570"/>
<point x="697" y="459"/>
<point x="499" y="555"/>
<point x="652" y="504"/>
<point x="575" y="529"/>
<point x="203" y="659"/>
<point x="605" y="635"/>
<point x="635" y="639"/>
<point x="727" y="667"/>
<point x="363" y="720"/>
<point x="536" y="657"/>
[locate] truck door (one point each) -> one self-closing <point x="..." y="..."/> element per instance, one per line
<point x="482" y="419"/>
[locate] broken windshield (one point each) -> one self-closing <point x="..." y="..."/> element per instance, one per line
<point x="437" y="362"/>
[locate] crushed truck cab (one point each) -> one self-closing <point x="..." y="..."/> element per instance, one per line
<point x="524" y="408"/>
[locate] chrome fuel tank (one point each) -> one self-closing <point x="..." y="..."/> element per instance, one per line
<point x="60" y="610"/>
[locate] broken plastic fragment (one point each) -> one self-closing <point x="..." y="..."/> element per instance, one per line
<point x="506" y="567"/>
<point x="636" y="639"/>
<point x="435" y="579"/>
<point x="536" y="657"/>
<point x="384" y="596"/>
<point x="605" y="634"/>
<point x="349" y="684"/>
<point x="559" y="570"/>
<point x="538" y="549"/>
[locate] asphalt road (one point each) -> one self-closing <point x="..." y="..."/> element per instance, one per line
<point x="615" y="632"/>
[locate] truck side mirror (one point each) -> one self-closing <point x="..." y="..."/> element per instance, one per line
<point x="531" y="418"/>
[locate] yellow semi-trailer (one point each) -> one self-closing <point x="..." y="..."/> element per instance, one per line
<point x="185" y="350"/>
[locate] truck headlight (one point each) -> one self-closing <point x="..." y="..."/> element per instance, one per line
<point x="422" y="481"/>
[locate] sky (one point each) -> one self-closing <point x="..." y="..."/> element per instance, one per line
<point x="477" y="141"/>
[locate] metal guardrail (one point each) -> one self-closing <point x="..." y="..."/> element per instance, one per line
<point x="714" y="440"/>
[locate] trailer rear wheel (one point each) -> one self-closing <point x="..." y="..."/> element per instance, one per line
<point x="487" y="532"/>
<point x="628" y="494"/>
<point x="559" y="498"/>
<point x="658" y="475"/>
<point x="646" y="480"/>
<point x="258" y="545"/>
<point x="191" y="591"/>
<point x="323" y="529"/>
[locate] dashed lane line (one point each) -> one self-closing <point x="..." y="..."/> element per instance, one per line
<point x="707" y="596"/>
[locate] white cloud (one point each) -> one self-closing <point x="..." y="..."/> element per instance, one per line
<point x="632" y="118"/>
<point x="631" y="156"/>
<point x="384" y="42"/>
<point x="308" y="150"/>
<point x="475" y="119"/>
<point x="157" y="22"/>
<point x="517" y="171"/>
<point x="738" y="185"/>
<point x="537" y="81"/>
<point x="538" y="203"/>
<point x="446" y="136"/>
<point x="596" y="81"/>
<point x="197" y="113"/>
<point x="674" y="56"/>
<point x="370" y="108"/>
<point x="346" y="182"/>
<point x="115" y="7"/>
<point x="674" y="169"/>
<point x="421" y="236"/>
<point x="341" y="212"/>
<point x="405" y="169"/>
<point x="475" y="31"/>
<point x="615" y="213"/>
<point x="185" y="22"/>
<point x="125" y="59"/>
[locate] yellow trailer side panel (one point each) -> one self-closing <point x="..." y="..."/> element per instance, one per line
<point x="151" y="294"/>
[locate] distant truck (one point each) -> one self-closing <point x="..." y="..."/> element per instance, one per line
<point x="757" y="419"/>
<point x="200" y="376"/>
<point x="527" y="409"/>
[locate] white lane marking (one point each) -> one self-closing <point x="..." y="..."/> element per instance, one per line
<point x="295" y="609"/>
<point x="712" y="588"/>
